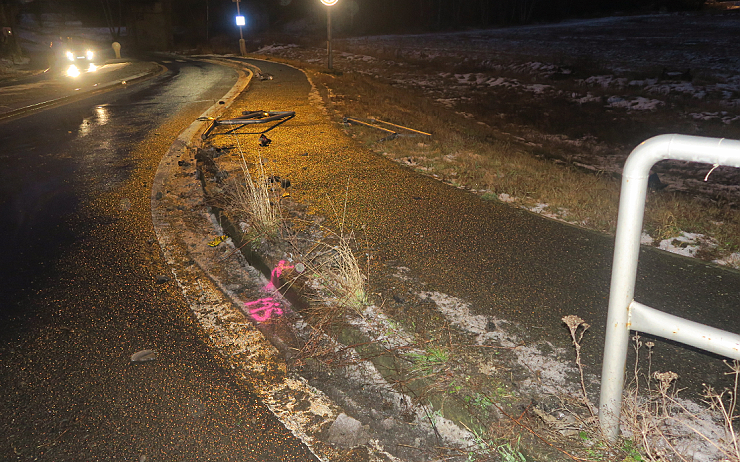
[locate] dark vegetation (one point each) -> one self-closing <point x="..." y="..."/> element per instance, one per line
<point x="197" y="22"/>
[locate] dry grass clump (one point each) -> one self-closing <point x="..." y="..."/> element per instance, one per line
<point x="333" y="270"/>
<point x="666" y="427"/>
<point x="667" y="215"/>
<point x="253" y="197"/>
<point x="336" y="274"/>
<point x="333" y="278"/>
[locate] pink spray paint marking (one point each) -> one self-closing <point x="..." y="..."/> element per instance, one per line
<point x="275" y="275"/>
<point x="267" y="308"/>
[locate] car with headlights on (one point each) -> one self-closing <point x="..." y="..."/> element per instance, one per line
<point x="74" y="56"/>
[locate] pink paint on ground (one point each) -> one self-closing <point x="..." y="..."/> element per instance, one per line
<point x="265" y="309"/>
<point x="275" y="275"/>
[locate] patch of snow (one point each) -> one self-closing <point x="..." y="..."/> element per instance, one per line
<point x="732" y="260"/>
<point x="589" y="98"/>
<point x="636" y="104"/>
<point x="447" y="102"/>
<point x="538" y="88"/>
<point x="553" y="374"/>
<point x="606" y="81"/>
<point x="458" y="312"/>
<point x="539" y="208"/>
<point x="723" y="116"/>
<point x="275" y="48"/>
<point x="373" y="322"/>
<point x="687" y="244"/>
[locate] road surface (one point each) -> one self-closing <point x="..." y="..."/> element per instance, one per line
<point x="84" y="288"/>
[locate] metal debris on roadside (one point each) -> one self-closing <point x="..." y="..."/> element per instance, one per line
<point x="218" y="240"/>
<point x="395" y="131"/>
<point x="284" y="182"/>
<point x="143" y="356"/>
<point x="249" y="118"/>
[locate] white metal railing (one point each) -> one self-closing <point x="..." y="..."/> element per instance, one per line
<point x="625" y="313"/>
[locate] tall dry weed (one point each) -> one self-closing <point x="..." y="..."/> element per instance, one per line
<point x="252" y="196"/>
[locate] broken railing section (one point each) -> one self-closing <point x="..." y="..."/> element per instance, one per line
<point x="250" y="118"/>
<point x="393" y="130"/>
<point x="625" y="313"/>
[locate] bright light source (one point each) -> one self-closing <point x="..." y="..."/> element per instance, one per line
<point x="73" y="71"/>
<point x="70" y="56"/>
<point x="329" y="2"/>
<point x="240" y="21"/>
<point x="92" y="68"/>
<point x="89" y="54"/>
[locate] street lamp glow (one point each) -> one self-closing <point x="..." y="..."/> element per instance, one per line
<point x="241" y="21"/>
<point x="329" y="2"/>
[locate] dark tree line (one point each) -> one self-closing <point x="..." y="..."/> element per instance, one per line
<point x="371" y="16"/>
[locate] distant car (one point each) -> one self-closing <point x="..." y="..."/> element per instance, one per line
<point x="74" y="56"/>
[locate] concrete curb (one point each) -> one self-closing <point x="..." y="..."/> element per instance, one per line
<point x="182" y="223"/>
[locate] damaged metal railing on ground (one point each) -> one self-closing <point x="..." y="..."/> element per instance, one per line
<point x="398" y="130"/>
<point x="625" y="313"/>
<point x="250" y="118"/>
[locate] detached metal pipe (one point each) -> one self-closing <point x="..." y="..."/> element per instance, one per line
<point x="627" y="249"/>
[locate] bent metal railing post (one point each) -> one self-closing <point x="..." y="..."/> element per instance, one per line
<point x="625" y="313"/>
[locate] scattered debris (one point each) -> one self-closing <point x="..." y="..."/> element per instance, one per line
<point x="161" y="279"/>
<point x="398" y="130"/>
<point x="264" y="141"/>
<point x="143" y="356"/>
<point x="217" y="241"/>
<point x="284" y="182"/>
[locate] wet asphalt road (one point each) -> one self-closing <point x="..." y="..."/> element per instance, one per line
<point x="80" y="293"/>
<point x="508" y="263"/>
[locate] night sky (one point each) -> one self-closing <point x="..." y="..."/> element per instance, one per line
<point x="352" y="17"/>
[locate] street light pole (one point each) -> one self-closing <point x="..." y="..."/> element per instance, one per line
<point x="328" y="4"/>
<point x="328" y="37"/>
<point x="239" y="17"/>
